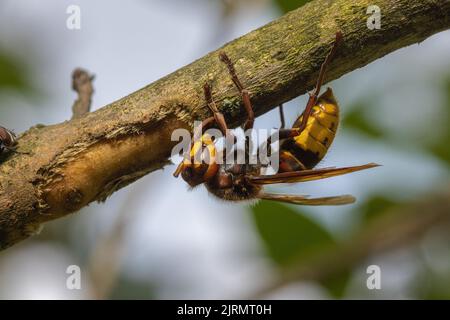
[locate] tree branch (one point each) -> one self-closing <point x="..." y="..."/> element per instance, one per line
<point x="86" y="159"/>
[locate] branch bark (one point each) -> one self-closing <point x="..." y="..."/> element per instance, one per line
<point x="86" y="159"/>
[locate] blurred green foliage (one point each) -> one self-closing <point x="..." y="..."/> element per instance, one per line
<point x="288" y="234"/>
<point x="127" y="288"/>
<point x="440" y="147"/>
<point x="290" y="237"/>
<point x="357" y="120"/>
<point x="434" y="287"/>
<point x="289" y="5"/>
<point x="375" y="206"/>
<point x="12" y="73"/>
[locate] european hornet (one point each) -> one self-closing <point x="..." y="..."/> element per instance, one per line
<point x="301" y="148"/>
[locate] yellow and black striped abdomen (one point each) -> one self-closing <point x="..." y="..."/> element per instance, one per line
<point x="307" y="149"/>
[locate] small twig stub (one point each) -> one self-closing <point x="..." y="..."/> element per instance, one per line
<point x="82" y="84"/>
